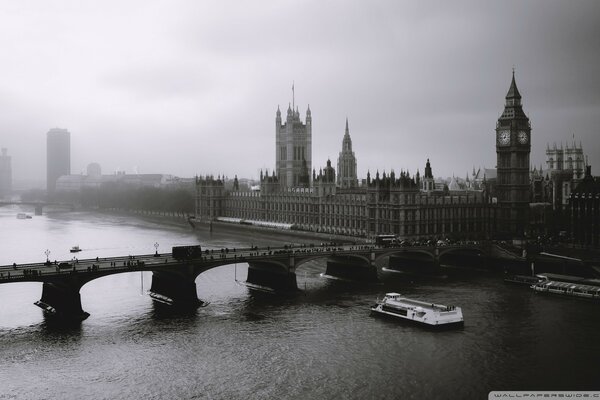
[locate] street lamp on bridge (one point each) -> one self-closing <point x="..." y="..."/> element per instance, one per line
<point x="156" y="247"/>
<point x="47" y="253"/>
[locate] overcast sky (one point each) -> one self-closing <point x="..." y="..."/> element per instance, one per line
<point x="191" y="87"/>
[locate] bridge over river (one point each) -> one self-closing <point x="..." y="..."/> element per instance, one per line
<point x="37" y="205"/>
<point x="173" y="279"/>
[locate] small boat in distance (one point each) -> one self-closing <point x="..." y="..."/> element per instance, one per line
<point x="431" y="314"/>
<point x="75" y="249"/>
<point x="522" y="279"/>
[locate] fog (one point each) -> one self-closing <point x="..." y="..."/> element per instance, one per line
<point x="189" y="87"/>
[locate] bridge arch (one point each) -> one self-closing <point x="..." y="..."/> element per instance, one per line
<point x="467" y="256"/>
<point x="423" y="254"/>
<point x="359" y="258"/>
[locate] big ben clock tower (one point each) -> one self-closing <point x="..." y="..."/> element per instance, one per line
<point x="513" y="145"/>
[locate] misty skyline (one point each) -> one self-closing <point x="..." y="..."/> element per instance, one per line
<point x="188" y="88"/>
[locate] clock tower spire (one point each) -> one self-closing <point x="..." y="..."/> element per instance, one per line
<point x="513" y="145"/>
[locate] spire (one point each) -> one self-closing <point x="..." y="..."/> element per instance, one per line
<point x="346" y="141"/>
<point x="513" y="92"/>
<point x="428" y="172"/>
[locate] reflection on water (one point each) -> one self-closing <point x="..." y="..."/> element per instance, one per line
<point x="321" y="342"/>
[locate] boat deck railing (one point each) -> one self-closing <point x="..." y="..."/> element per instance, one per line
<point x="423" y="304"/>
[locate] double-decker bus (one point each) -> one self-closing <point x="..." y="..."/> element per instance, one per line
<point x="385" y="240"/>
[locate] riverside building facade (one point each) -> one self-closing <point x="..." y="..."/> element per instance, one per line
<point x="387" y="204"/>
<point x="403" y="205"/>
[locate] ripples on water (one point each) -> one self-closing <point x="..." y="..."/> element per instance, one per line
<point x="320" y="343"/>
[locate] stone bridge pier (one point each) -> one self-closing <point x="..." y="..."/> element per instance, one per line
<point x="352" y="267"/>
<point x="62" y="298"/>
<point x="176" y="286"/>
<point x="279" y="276"/>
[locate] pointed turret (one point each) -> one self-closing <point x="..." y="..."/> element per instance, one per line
<point x="428" y="173"/>
<point x="346" y="173"/>
<point x="513" y="92"/>
<point x="347" y="142"/>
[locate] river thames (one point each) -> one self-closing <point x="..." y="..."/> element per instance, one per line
<point x="321" y="343"/>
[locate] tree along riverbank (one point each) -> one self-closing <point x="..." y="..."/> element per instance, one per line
<point x="181" y="219"/>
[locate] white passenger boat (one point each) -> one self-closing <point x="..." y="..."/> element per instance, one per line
<point x="430" y="314"/>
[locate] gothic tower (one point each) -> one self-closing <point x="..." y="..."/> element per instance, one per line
<point x="293" y="148"/>
<point x="346" y="177"/>
<point x="428" y="181"/>
<point x="513" y="145"/>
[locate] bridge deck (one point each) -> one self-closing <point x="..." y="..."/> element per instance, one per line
<point x="147" y="262"/>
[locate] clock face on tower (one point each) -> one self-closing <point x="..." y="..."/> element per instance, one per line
<point x="522" y="136"/>
<point x="503" y="138"/>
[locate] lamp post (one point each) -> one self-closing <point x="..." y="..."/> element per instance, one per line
<point x="156" y="247"/>
<point x="47" y="253"/>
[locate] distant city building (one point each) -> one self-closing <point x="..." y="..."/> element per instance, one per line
<point x="293" y="148"/>
<point x="584" y="210"/>
<point x="5" y="173"/>
<point x="74" y="183"/>
<point x="569" y="159"/>
<point x="565" y="168"/>
<point x="94" y="169"/>
<point x="58" y="156"/>
<point x="513" y="145"/>
<point x="551" y="188"/>
<point x="346" y="177"/>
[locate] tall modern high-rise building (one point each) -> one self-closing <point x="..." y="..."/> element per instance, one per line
<point x="58" y="156"/>
<point x="293" y="148"/>
<point x="346" y="177"/>
<point x="5" y="173"/>
<point x="513" y="145"/>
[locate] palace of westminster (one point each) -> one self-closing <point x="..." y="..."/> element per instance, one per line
<point x="510" y="202"/>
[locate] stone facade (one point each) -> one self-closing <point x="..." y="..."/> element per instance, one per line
<point x="385" y="205"/>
